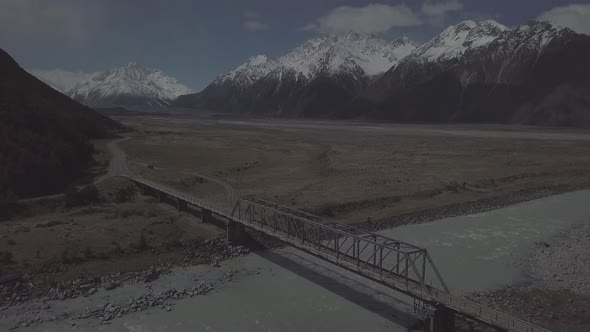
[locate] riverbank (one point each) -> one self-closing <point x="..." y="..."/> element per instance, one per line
<point x="480" y="242"/>
<point x="559" y="293"/>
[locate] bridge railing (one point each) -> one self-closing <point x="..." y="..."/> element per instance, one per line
<point x="179" y="195"/>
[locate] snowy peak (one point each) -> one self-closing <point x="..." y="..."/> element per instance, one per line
<point x="133" y="80"/>
<point x="332" y="54"/>
<point x="147" y="87"/>
<point x="536" y="34"/>
<point x="249" y="72"/>
<point x="323" y="55"/>
<point x="484" y="33"/>
<point x="454" y="41"/>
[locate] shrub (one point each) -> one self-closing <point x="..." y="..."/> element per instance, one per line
<point x="65" y="256"/>
<point x="142" y="243"/>
<point x="327" y="211"/>
<point x="455" y="186"/>
<point x="81" y="196"/>
<point x="88" y="253"/>
<point x="6" y="257"/>
<point x="125" y="194"/>
<point x="129" y="212"/>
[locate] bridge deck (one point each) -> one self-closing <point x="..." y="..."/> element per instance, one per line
<point x="398" y="265"/>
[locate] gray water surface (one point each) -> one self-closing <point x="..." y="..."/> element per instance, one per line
<point x="488" y="250"/>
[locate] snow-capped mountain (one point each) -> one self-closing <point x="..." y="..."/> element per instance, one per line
<point x="454" y="41"/>
<point x="59" y="79"/>
<point x="322" y="68"/>
<point x="248" y="73"/>
<point x="341" y="54"/>
<point x="132" y="86"/>
<point x="485" y="72"/>
<point x="535" y="73"/>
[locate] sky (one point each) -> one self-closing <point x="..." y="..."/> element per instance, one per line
<point x="197" y="40"/>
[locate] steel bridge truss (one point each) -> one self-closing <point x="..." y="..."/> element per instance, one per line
<point x="347" y="246"/>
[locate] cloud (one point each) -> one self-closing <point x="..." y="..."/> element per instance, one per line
<point x="56" y="21"/>
<point x="575" y="17"/>
<point x="251" y="14"/>
<point x="373" y="18"/>
<point x="253" y="22"/>
<point x="254" y="25"/>
<point x="430" y="8"/>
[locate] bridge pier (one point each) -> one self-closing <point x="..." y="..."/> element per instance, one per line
<point x="442" y="320"/>
<point x="180" y="204"/>
<point x="160" y="196"/>
<point x="206" y="216"/>
<point x="235" y="232"/>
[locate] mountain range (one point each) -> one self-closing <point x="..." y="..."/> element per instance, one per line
<point x="132" y="87"/>
<point x="315" y="79"/>
<point x="535" y="73"/>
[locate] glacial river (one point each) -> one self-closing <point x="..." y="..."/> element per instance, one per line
<point x="286" y="290"/>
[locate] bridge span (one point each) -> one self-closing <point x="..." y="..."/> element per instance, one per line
<point x="401" y="266"/>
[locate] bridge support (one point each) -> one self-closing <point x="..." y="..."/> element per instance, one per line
<point x="160" y="196"/>
<point x="235" y="232"/>
<point x="442" y="320"/>
<point x="206" y="216"/>
<point x="180" y="204"/>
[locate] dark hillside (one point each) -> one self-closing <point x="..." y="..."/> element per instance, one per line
<point x="44" y="135"/>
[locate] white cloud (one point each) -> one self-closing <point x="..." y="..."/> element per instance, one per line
<point x="56" y="21"/>
<point x="254" y="25"/>
<point x="430" y="8"/>
<point x="575" y="17"/>
<point x="373" y="18"/>
<point x="253" y="22"/>
<point x="251" y="14"/>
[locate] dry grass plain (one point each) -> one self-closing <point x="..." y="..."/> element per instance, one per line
<point x="96" y="239"/>
<point x="351" y="175"/>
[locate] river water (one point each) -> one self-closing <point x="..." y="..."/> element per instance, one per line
<point x="286" y="290"/>
<point x="489" y="250"/>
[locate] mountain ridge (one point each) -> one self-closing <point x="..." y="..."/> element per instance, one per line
<point x="341" y="66"/>
<point x="470" y="72"/>
<point x="498" y="82"/>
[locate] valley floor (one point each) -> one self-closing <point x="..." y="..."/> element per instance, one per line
<point x="376" y="176"/>
<point x="359" y="172"/>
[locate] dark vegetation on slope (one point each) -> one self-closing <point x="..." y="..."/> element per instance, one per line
<point x="44" y="135"/>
